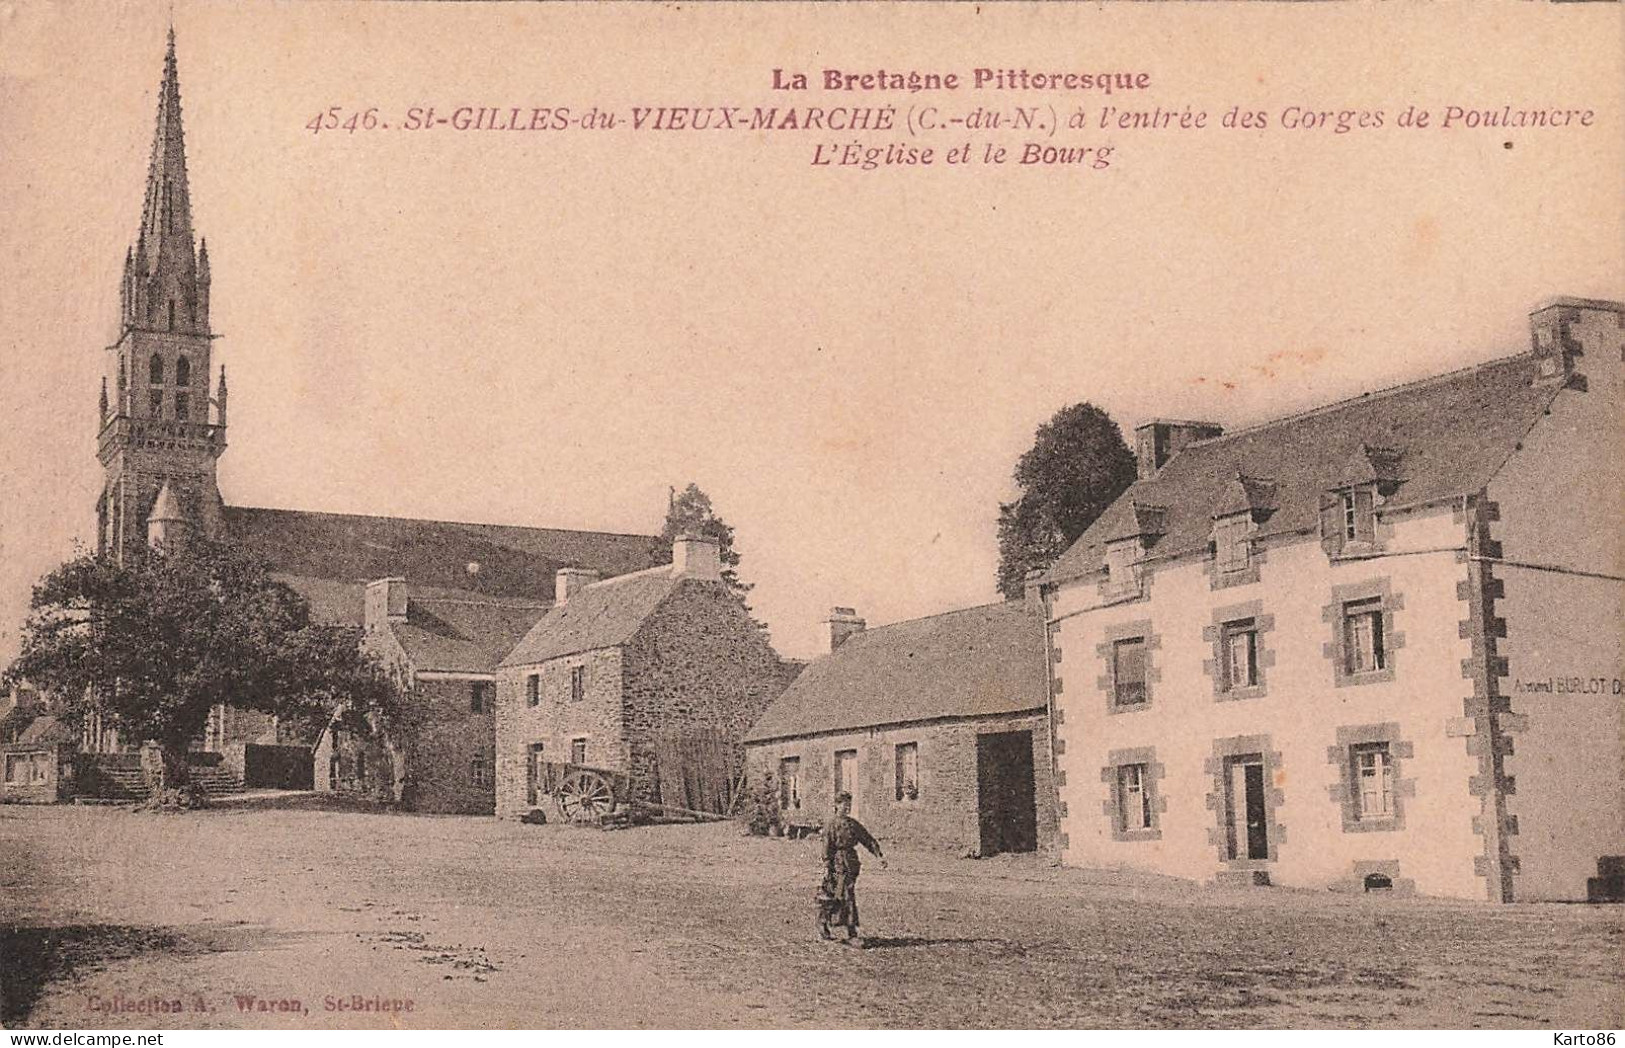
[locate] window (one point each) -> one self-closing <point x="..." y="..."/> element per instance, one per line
<point x="578" y="683"/>
<point x="533" y="772"/>
<point x="155" y="404"/>
<point x="1373" y="782"/>
<point x="479" y="771"/>
<point x="790" y="783"/>
<point x="479" y="696"/>
<point x="846" y="766"/>
<point x="533" y="689"/>
<point x="16" y="768"/>
<point x="183" y="372"/>
<point x="1363" y="642"/>
<point x="1133" y="798"/>
<point x="155" y="370"/>
<point x="578" y="751"/>
<point x="1232" y="545"/>
<point x="908" y="771"/>
<point x="1239" y="645"/>
<point x="1122" y="567"/>
<point x="172" y="314"/>
<point x="1350" y="516"/>
<point x="183" y="407"/>
<point x="1128" y="671"/>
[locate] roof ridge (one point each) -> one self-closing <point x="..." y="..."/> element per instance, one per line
<point x="515" y="605"/>
<point x="430" y="520"/>
<point x="936" y="615"/>
<point x="658" y="569"/>
<point x="1362" y="398"/>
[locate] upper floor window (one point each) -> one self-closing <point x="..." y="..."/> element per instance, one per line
<point x="1364" y="645"/>
<point x="155" y="370"/>
<point x="578" y="683"/>
<point x="1128" y="671"/>
<point x="1239" y="645"/>
<point x="155" y="404"/>
<point x="183" y="372"/>
<point x="533" y="689"/>
<point x="479" y="696"/>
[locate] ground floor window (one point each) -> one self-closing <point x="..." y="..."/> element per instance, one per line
<point x="479" y="771"/>
<point x="790" y="784"/>
<point x="1133" y="798"/>
<point x="578" y="751"/>
<point x="908" y="771"/>
<point x="846" y="774"/>
<point x="533" y="772"/>
<point x="1374" y="776"/>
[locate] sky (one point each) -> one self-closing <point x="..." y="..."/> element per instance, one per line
<point x="552" y="329"/>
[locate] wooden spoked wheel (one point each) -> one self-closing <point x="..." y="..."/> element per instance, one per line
<point x="586" y="796"/>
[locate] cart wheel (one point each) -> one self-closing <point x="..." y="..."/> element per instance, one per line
<point x="586" y="796"/>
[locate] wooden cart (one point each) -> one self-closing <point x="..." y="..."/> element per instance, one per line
<point x="589" y="795"/>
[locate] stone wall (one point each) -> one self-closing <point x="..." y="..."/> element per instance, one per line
<point x="944" y="814"/>
<point x="446" y="739"/>
<point x="697" y="666"/>
<point x="557" y="720"/>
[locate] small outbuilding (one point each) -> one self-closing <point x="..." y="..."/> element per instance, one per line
<point x="938" y="727"/>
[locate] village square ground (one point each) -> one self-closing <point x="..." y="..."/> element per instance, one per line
<point x="496" y="924"/>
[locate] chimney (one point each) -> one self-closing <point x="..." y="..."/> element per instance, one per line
<point x="696" y="557"/>
<point x="843" y="623"/>
<point x="1155" y="442"/>
<point x="1032" y="589"/>
<point x="570" y="581"/>
<point x="385" y="603"/>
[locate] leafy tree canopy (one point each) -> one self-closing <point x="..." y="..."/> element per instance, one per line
<point x="155" y="643"/>
<point x="691" y="513"/>
<point x="1077" y="467"/>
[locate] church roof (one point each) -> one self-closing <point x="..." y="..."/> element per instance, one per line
<point x="457" y="631"/>
<point x="969" y="663"/>
<point x="330" y="557"/>
<point x="602" y="615"/>
<point x="1428" y="440"/>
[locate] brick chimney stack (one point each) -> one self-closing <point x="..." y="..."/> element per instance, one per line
<point x="696" y="557"/>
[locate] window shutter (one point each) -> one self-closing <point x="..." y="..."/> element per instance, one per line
<point x="1331" y="521"/>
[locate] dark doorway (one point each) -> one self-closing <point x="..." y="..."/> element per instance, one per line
<point x="1006" y="800"/>
<point x="1249" y="816"/>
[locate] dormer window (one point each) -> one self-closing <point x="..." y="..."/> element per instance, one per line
<point x="1232" y="545"/>
<point x="1349" y="518"/>
<point x="1123" y="567"/>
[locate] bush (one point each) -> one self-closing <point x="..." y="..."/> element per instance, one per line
<point x="762" y="815"/>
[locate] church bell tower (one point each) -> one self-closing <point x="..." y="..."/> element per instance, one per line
<point x="160" y="429"/>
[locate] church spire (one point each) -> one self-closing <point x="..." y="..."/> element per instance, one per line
<point x="165" y="291"/>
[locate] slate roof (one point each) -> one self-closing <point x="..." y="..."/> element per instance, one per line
<point x="1432" y="439"/>
<point x="974" y="662"/>
<point x="46" y="729"/>
<point x="458" y="631"/>
<point x="602" y="615"/>
<point x="329" y="557"/>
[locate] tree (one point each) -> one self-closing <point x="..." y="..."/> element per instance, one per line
<point x="155" y="643"/>
<point x="1077" y="467"/>
<point x="691" y="513"/>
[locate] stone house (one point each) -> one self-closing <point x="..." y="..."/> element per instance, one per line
<point x="36" y="751"/>
<point x="1371" y="646"/>
<point x="938" y="727"/>
<point x="442" y="647"/>
<point x="636" y="674"/>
